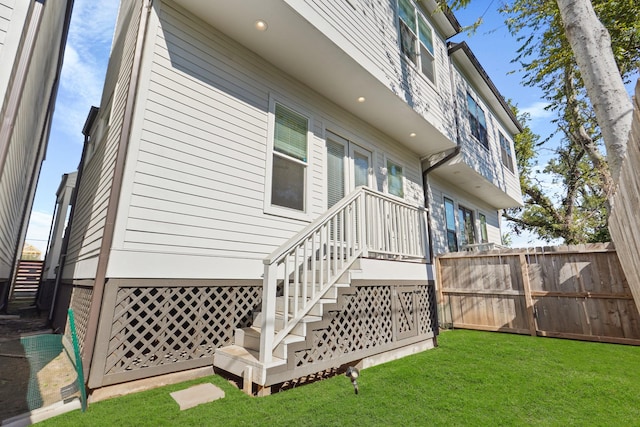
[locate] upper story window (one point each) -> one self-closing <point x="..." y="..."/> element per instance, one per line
<point x="416" y="38"/>
<point x="289" y="169"/>
<point x="477" y="121"/>
<point x="505" y="152"/>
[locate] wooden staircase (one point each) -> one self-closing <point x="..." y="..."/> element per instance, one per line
<point x="245" y="352"/>
<point x="305" y="274"/>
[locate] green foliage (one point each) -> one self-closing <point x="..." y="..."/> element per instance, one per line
<point x="472" y="378"/>
<point x="578" y="214"/>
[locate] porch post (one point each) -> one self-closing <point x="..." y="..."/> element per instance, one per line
<point x="424" y="234"/>
<point x="267" y="329"/>
<point x="362" y="226"/>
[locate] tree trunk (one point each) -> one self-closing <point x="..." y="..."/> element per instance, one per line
<point x="591" y="45"/>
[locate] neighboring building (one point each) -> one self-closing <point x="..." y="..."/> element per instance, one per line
<point x="64" y="194"/>
<point x="32" y="39"/>
<point x="31" y="253"/>
<point x="252" y="192"/>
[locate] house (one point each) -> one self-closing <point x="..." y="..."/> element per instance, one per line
<point x="267" y="181"/>
<point x="32" y="39"/>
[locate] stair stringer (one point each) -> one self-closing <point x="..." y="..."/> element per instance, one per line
<point x="357" y="296"/>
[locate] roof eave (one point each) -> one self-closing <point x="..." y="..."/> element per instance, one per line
<point x="464" y="48"/>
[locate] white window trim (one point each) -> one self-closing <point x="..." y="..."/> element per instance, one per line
<point x="487" y="117"/>
<point x="511" y="153"/>
<point x="385" y="172"/>
<point x="271" y="124"/>
<point x="418" y="67"/>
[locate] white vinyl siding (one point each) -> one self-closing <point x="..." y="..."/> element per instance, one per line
<point x="484" y="160"/>
<point x="97" y="174"/>
<point x="370" y="34"/>
<point x="6" y="12"/>
<point x="197" y="169"/>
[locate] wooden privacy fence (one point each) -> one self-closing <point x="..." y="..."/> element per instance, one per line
<point x="624" y="221"/>
<point x="578" y="292"/>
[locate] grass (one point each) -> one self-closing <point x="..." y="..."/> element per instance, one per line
<point x="472" y="378"/>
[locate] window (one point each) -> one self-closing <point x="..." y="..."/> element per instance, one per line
<point x="505" y="151"/>
<point x="477" y="121"/>
<point x="289" y="168"/>
<point x="467" y="226"/>
<point x="483" y="229"/>
<point x="450" y="221"/>
<point x="395" y="179"/>
<point x="416" y="38"/>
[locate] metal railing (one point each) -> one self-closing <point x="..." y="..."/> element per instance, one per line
<point x="303" y="269"/>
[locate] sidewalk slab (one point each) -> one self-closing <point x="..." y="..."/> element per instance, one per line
<point x="197" y="395"/>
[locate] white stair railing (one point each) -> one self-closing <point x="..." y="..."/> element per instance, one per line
<point x="310" y="263"/>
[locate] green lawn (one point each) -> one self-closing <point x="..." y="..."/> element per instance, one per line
<point x="472" y="378"/>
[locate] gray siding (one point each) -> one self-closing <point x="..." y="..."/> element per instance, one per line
<point x="196" y="165"/>
<point x="369" y="33"/>
<point x="97" y="176"/>
<point x="26" y="144"/>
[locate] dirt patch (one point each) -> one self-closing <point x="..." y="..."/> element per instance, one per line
<point x="31" y="374"/>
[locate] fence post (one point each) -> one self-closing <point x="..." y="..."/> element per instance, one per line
<point x="441" y="306"/>
<point x="78" y="360"/>
<point x="526" y="284"/>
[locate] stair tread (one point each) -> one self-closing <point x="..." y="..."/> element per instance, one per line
<point x="292" y="338"/>
<point x="251" y="357"/>
<point x="321" y="300"/>
<point x="254" y="331"/>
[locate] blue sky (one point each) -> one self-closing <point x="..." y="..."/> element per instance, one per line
<point x="85" y="65"/>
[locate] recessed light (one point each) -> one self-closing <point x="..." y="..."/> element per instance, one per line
<point x="412" y="134"/>
<point x="261" y="25"/>
<point x="361" y="99"/>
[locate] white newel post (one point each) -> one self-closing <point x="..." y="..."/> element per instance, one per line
<point x="267" y="329"/>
